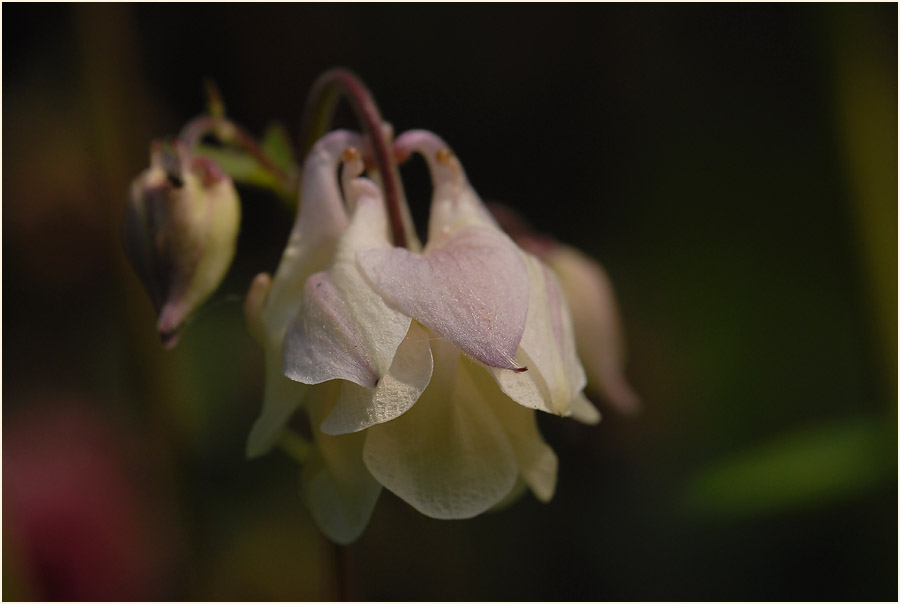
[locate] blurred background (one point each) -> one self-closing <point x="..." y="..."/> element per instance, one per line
<point x="735" y="169"/>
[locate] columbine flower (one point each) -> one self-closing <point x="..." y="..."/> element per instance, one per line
<point x="181" y="227"/>
<point x="419" y="371"/>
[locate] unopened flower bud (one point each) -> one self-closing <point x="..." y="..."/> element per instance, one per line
<point x="181" y="227"/>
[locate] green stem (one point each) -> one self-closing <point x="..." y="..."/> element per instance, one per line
<point x="228" y="132"/>
<point x="323" y="99"/>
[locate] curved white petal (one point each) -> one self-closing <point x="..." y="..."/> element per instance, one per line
<point x="537" y="462"/>
<point x="584" y="411"/>
<point x="280" y="399"/>
<point x="548" y="344"/>
<point x="321" y="218"/>
<point x="358" y="408"/>
<point x="344" y="329"/>
<point x="448" y="456"/>
<point x="528" y="388"/>
<point x="595" y="313"/>
<point x="473" y="291"/>
<point x="272" y="302"/>
<point x="281" y="396"/>
<point x="335" y="484"/>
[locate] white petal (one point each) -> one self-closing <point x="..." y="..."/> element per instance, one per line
<point x="473" y="291"/>
<point x="527" y="388"/>
<point x="595" y="313"/>
<point x="335" y="484"/>
<point x="555" y="374"/>
<point x="273" y="302"/>
<point x="321" y="218"/>
<point x="584" y="411"/>
<point x="281" y="398"/>
<point x="358" y="407"/>
<point x="448" y="456"/>
<point x="537" y="462"/>
<point x="344" y="329"/>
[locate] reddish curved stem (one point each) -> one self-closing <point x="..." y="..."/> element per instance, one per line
<point x="323" y="98"/>
<point x="197" y="128"/>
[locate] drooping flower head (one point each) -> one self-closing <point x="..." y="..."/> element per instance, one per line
<point x="419" y="371"/>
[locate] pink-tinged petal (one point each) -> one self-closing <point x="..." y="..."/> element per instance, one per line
<point x="334" y="483"/>
<point x="448" y="456"/>
<point x="473" y="291"/>
<point x="595" y="314"/>
<point x="555" y="374"/>
<point x="321" y="218"/>
<point x="358" y="408"/>
<point x="324" y="343"/>
<point x="344" y="329"/>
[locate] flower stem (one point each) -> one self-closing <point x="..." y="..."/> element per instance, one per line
<point x="227" y="131"/>
<point x="345" y="586"/>
<point x="323" y="99"/>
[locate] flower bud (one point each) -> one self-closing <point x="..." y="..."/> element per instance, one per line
<point x="181" y="227"/>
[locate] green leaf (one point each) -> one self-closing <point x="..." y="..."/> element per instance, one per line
<point x="277" y="145"/>
<point x="240" y="166"/>
<point x="814" y="466"/>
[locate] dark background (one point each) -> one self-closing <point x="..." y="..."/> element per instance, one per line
<point x="733" y="167"/>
